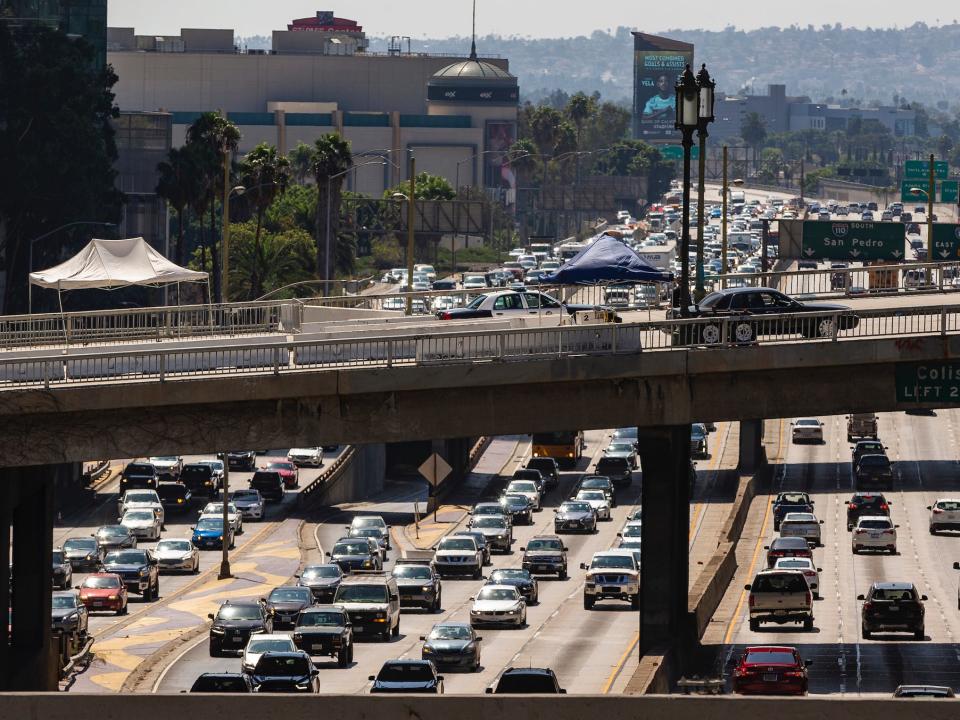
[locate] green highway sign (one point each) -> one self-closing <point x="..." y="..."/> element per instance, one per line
<point x="853" y="240"/>
<point x="946" y="242"/>
<point x="675" y="152"/>
<point x="948" y="191"/>
<point x="928" y="382"/>
<point x="920" y="169"/>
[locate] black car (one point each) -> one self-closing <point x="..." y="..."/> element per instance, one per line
<point x="83" y="552"/>
<point x="407" y="676"/>
<point x="174" y="496"/>
<point x="138" y="569"/>
<point x="139" y="475"/>
<point x="116" y="537"/>
<point x="747" y="305"/>
<point x="575" y="516"/>
<point x="285" y="672"/>
<point x="545" y="555"/>
<point x="617" y="469"/>
<point x="325" y="630"/>
<point x="548" y="468"/>
<point x="598" y="482"/>
<point x="62" y="571"/>
<point x="70" y="616"/>
<point x="452" y="645"/>
<point x="269" y="483"/>
<point x="527" y="681"/>
<point x="240" y="459"/>
<point x="866" y="447"/>
<point x="521" y="579"/>
<point x="893" y="606"/>
<point x="419" y="584"/>
<point x="519" y="508"/>
<point x="787" y="547"/>
<point x="866" y="503"/>
<point x="323" y="581"/>
<point x="199" y="479"/>
<point x="445" y="284"/>
<point x="285" y="603"/>
<point x="233" y="625"/>
<point x="788" y="502"/>
<point x="356" y="554"/>
<point x="874" y="471"/>
<point x="531" y="474"/>
<point x="222" y="683"/>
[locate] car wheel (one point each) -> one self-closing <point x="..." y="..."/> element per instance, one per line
<point x="196" y="566"/>
<point x="438" y="603"/>
<point x="350" y="658"/>
<point x="588" y="602"/>
<point x="477" y="574"/>
<point x="710" y="334"/>
<point x="126" y="608"/>
<point x="919" y="634"/>
<point x="396" y="630"/>
<point x="215" y="651"/>
<point x="808" y="624"/>
<point x="825" y="328"/>
<point x="343" y="659"/>
<point x="743" y="332"/>
<point x="754" y="625"/>
<point x="635" y="602"/>
<point x="933" y="529"/>
<point x="866" y="633"/>
<point x="119" y="611"/>
<point x="562" y="575"/>
<point x="776" y="526"/>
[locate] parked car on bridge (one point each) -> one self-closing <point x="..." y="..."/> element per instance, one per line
<point x="510" y="303"/>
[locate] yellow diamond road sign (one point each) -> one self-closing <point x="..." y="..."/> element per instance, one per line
<point x="435" y="469"/>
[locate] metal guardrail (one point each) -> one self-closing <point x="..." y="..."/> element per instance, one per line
<point x="160" y="364"/>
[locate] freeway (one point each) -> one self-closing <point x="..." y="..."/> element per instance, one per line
<point x="924" y="449"/>
<point x="591" y="651"/>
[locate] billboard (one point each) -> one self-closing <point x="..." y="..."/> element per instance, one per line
<point x="499" y="136"/>
<point x="657" y="62"/>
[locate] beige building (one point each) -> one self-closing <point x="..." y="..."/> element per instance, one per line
<point x="456" y="115"/>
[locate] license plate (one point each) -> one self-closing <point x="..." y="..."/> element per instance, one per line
<point x="237" y="635"/>
<point x="608" y="589"/>
<point x="893" y="608"/>
<point x="358" y="628"/>
<point x="874" y="536"/>
<point x="98" y="603"/>
<point x="316" y="646"/>
<point x="779" y="612"/>
<point x="771" y="677"/>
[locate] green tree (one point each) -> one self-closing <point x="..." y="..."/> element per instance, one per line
<point x="178" y="185"/>
<point x="57" y="145"/>
<point x="580" y="108"/>
<point x="265" y="173"/>
<point x="753" y="130"/>
<point x="428" y="187"/>
<point x="331" y="157"/>
<point x="259" y="266"/>
<point x="771" y="164"/>
<point x="301" y="162"/>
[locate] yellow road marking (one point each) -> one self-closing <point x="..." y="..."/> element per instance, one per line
<point x="756" y="552"/>
<point x="620" y="663"/>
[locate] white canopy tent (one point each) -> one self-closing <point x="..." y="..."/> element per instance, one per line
<point x="107" y="264"/>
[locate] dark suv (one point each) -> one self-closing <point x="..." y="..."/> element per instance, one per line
<point x="787" y="547"/>
<point x="325" y="630"/>
<point x="866" y="503"/>
<point x="527" y="681"/>
<point x="875" y="470"/>
<point x="545" y="555"/>
<point x="866" y="447"/>
<point x="548" y="468"/>
<point x="234" y="623"/>
<point x="893" y="606"/>
<point x="174" y="496"/>
<point x="198" y="477"/>
<point x="138" y="475"/>
<point x="269" y="483"/>
<point x="617" y="469"/>
<point x="788" y="502"/>
<point x="139" y="570"/>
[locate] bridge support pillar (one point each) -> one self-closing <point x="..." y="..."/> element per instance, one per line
<point x="752" y="454"/>
<point x="27" y="660"/>
<point x="665" y="459"/>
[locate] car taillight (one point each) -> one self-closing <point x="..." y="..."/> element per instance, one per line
<point x="888" y="531"/>
<point x="793" y="674"/>
<point x="884" y="506"/>
<point x="809" y="598"/>
<point x="868" y="606"/>
<point x="937" y="511"/>
<point x="445" y="316"/>
<point x="851" y="506"/>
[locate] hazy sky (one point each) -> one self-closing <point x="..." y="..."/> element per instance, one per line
<point x="533" y="18"/>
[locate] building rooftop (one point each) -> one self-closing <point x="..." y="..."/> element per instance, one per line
<point x="473" y="69"/>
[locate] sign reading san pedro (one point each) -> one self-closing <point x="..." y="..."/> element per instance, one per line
<point x="853" y="240"/>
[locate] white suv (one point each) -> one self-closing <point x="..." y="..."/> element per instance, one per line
<point x="874" y="532"/>
<point x="612" y="574"/>
<point x="944" y="515"/>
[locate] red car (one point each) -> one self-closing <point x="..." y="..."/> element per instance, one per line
<point x="770" y="670"/>
<point x="288" y="471"/>
<point x="104" y="591"/>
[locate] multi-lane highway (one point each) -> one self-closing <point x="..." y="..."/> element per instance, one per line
<point x="924" y="449"/>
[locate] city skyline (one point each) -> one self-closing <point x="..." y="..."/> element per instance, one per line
<point x="500" y="17"/>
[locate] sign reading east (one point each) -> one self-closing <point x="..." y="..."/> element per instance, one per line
<point x="853" y="240"/>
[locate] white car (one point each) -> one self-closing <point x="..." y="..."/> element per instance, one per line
<point x="807" y="430"/>
<point x="215" y="510"/>
<point x="257" y="645"/>
<point x="141" y="499"/>
<point x="168" y="465"/>
<point x="458" y="556"/>
<point x="598" y="501"/>
<point x="249" y="502"/>
<point x="426" y="270"/>
<point x="474" y="282"/>
<point x="801" y="524"/>
<point x="143" y="523"/>
<point x="527" y="488"/>
<point x="874" y="532"/>
<point x="394" y="303"/>
<point x="364" y="521"/>
<point x="944" y="515"/>
<point x="498" y="605"/>
<point x="177" y="555"/>
<point x="302" y="457"/>
<point x="444" y="302"/>
<point x="805" y="565"/>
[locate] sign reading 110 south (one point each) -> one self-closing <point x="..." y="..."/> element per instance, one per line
<point x="853" y="240"/>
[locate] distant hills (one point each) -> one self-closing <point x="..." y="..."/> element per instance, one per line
<point x="830" y="62"/>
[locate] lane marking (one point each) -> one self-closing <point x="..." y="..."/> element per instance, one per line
<point x="620" y="663"/>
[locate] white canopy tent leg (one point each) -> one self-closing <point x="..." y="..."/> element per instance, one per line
<point x="63" y="317"/>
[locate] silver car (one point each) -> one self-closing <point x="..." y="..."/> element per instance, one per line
<point x="142" y="523"/>
<point x="302" y="457"/>
<point x="498" y="605"/>
<point x="249" y="503"/>
<point x="173" y="555"/>
<point x="496" y="529"/>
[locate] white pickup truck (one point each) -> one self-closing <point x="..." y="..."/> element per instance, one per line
<point x="780" y="596"/>
<point x="612" y="574"/>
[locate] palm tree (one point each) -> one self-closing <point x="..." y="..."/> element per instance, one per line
<point x="265" y="173"/>
<point x="178" y="184"/>
<point x="331" y="156"/>
<point x="301" y="161"/>
<point x="753" y="131"/>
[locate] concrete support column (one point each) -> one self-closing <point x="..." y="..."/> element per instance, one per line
<point x="752" y="454"/>
<point x="31" y="665"/>
<point x="665" y="459"/>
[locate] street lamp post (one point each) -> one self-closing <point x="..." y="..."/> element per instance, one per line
<point x="929" y="196"/>
<point x="43" y="237"/>
<point x="411" y="210"/>
<point x="707" y="87"/>
<point x="687" y="120"/>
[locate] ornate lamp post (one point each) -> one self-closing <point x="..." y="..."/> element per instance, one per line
<point x="705" y="117"/>
<point x="688" y="120"/>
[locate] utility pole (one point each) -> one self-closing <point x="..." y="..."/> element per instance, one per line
<point x="931" y="194"/>
<point x="225" y="249"/>
<point x="225" y="499"/>
<point x="725" y="191"/>
<point x="411" y="209"/>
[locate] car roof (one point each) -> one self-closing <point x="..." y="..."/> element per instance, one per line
<point x="769" y="648"/>
<point x="797" y="515"/>
<point x="407" y="661"/>
<point x="529" y="671"/>
<point x="544" y="537"/>
<point x="368" y="579"/>
<point x="789" y="541"/>
<point x="885" y="518"/>
<point x="451" y="623"/>
<point x="893" y="585"/>
<point x="614" y="551"/>
<point x="322" y="608"/>
<point x="867" y="494"/>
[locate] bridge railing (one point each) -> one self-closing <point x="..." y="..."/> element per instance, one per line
<point x="164" y="363"/>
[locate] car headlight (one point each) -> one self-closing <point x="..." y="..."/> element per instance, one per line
<point x="256" y="631"/>
<point x="501" y="537"/>
<point x="220" y="537"/>
<point x="367" y="563"/>
<point x="427" y="588"/>
<point x="427" y="650"/>
<point x="89" y="557"/>
<point x="113" y="597"/>
<point x="512" y="612"/>
<point x="72" y="616"/>
<point x="144" y="571"/>
<point x="217" y="630"/>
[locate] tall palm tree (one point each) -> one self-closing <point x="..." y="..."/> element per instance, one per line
<point x="178" y="184"/>
<point x="301" y="162"/>
<point x="265" y="173"/>
<point x="331" y="156"/>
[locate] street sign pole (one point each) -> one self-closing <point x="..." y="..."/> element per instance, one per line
<point x="931" y="192"/>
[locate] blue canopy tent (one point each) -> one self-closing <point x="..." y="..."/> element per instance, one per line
<point x="607" y="260"/>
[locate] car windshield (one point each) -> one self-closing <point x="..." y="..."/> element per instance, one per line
<point x="362" y="593"/>
<point x="809" y="421"/>
<point x="113" y="531"/>
<point x="140" y="470"/>
<point x="64" y="602"/>
<point x="492" y="593"/>
<point x="794" y="563"/>
<point x="875" y="524"/>
<point x="363" y="522"/>
<point x="792" y="543"/>
<point x="591" y="495"/>
<point x="174" y="546"/>
<point x="575" y="507"/>
<point x="878" y="460"/>
<point x="244" y="495"/>
<point x="412" y="571"/>
<point x="217" y="508"/>
<point x="525" y="683"/>
<point x="770" y="658"/>
<point x="509" y="574"/>
<point x="950" y="505"/>
<point x="633" y="531"/>
<point x="126" y="557"/>
<point x="373" y="532"/>
<point x="215" y="464"/>
<point x="458" y="544"/>
<point x="283" y="666"/>
<point x="283" y="594"/>
<point x="351" y="548"/>
<point x="799" y="517"/>
<point x="522" y="486"/>
<point x="239" y="612"/>
<point x="620" y="447"/>
<point x="545" y="545"/>
<point x="492" y="521"/>
<point x="476" y="302"/>
<point x="139" y="515"/>
<point x="450" y="632"/>
<point x="488" y="510"/>
<point x="613" y="561"/>
<point x="101" y="582"/>
<point x="595" y="482"/>
<point x="281" y="466"/>
<point x="210" y="523"/>
<point x="515" y="501"/>
<point x="132" y="497"/>
<point x="321" y="619"/>
<point x="793" y="499"/>
<point x="270" y="645"/>
<point x="320" y="571"/>
<point x="405" y="672"/>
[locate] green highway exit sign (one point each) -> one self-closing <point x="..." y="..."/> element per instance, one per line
<point x="675" y="152"/>
<point x="928" y="382"/>
<point x="946" y="242"/>
<point x="920" y="169"/>
<point x="853" y="240"/>
<point x="946" y="191"/>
